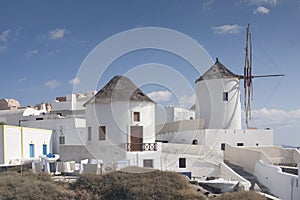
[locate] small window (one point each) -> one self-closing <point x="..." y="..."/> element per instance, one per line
<point x="240" y="144"/>
<point x="102" y="132"/>
<point x="148" y="163"/>
<point x="257" y="144"/>
<point x="61" y="139"/>
<point x="195" y="142"/>
<point x="31" y="150"/>
<point x="182" y="163"/>
<point x="39" y="118"/>
<point x="136" y="116"/>
<point x="223" y="146"/>
<point x="89" y="133"/>
<point x="225" y="96"/>
<point x="44" y="149"/>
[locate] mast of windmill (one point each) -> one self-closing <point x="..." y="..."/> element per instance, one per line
<point x="248" y="84"/>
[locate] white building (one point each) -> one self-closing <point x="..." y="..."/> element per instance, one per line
<point x="23" y="143"/>
<point x="172" y="114"/>
<point x="17" y="116"/>
<point x="71" y="105"/>
<point x="120" y="125"/>
<point x="218" y="98"/>
<point x="66" y="130"/>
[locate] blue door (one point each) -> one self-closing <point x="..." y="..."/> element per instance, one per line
<point x="44" y="149"/>
<point x="31" y="150"/>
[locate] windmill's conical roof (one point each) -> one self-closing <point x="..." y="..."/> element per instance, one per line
<point x="120" y="88"/>
<point x="217" y="71"/>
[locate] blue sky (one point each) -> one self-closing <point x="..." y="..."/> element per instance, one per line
<point x="43" y="44"/>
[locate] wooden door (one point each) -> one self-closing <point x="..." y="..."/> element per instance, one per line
<point x="136" y="138"/>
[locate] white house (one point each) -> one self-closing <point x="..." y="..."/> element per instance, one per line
<point x="66" y="130"/>
<point x="120" y="125"/>
<point x="23" y="143"/>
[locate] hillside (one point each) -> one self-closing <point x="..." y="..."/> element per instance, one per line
<point x="115" y="185"/>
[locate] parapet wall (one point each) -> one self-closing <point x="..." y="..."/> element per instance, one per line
<point x="244" y="157"/>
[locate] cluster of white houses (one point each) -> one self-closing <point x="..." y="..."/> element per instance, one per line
<point x="121" y="124"/>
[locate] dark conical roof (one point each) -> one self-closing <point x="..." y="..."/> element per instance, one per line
<point x="217" y="71"/>
<point x="120" y="88"/>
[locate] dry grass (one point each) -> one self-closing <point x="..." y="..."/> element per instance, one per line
<point x="27" y="185"/>
<point x="147" y="184"/>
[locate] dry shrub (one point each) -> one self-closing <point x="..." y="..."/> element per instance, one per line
<point x="150" y="185"/>
<point x="27" y="185"/>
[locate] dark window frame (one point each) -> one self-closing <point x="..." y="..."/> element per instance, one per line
<point x="225" y="96"/>
<point x="102" y="133"/>
<point x="136" y="116"/>
<point x="182" y="162"/>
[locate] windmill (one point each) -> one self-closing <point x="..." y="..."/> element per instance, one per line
<point x="248" y="84"/>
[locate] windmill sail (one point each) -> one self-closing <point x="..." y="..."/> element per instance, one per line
<point x="248" y="84"/>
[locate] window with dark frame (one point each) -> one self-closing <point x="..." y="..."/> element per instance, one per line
<point x="102" y="132"/>
<point x="61" y="139"/>
<point x="89" y="133"/>
<point x="223" y="146"/>
<point x="225" y="96"/>
<point x="182" y="163"/>
<point x="240" y="144"/>
<point x="148" y="163"/>
<point x="136" y="116"/>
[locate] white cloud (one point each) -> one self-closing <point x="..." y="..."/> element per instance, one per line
<point x="261" y="10"/>
<point x="227" y="29"/>
<point x="74" y="81"/>
<point x="260" y="2"/>
<point x="207" y="5"/>
<point x="160" y="96"/>
<point x="275" y="118"/>
<point x="4" y="35"/>
<point x="31" y="53"/>
<point x="52" y="84"/>
<point x="57" y="33"/>
<point x="187" y="101"/>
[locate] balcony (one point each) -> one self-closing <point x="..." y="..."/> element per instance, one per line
<point x="141" y="146"/>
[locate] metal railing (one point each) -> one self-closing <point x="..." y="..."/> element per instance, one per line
<point x="141" y="146"/>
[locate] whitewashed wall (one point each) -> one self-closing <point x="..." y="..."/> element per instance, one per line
<point x="137" y="158"/>
<point x="279" y="154"/>
<point x="72" y="128"/>
<point x="215" y="137"/>
<point x="244" y="157"/>
<point x="200" y="160"/>
<point x="249" y="137"/>
<point x="12" y="143"/>
<point x="229" y="174"/>
<point x="171" y="114"/>
<point x="281" y="184"/>
<point x="38" y="137"/>
<point x="118" y="117"/>
<point x="219" y="114"/>
<point x="17" y="139"/>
